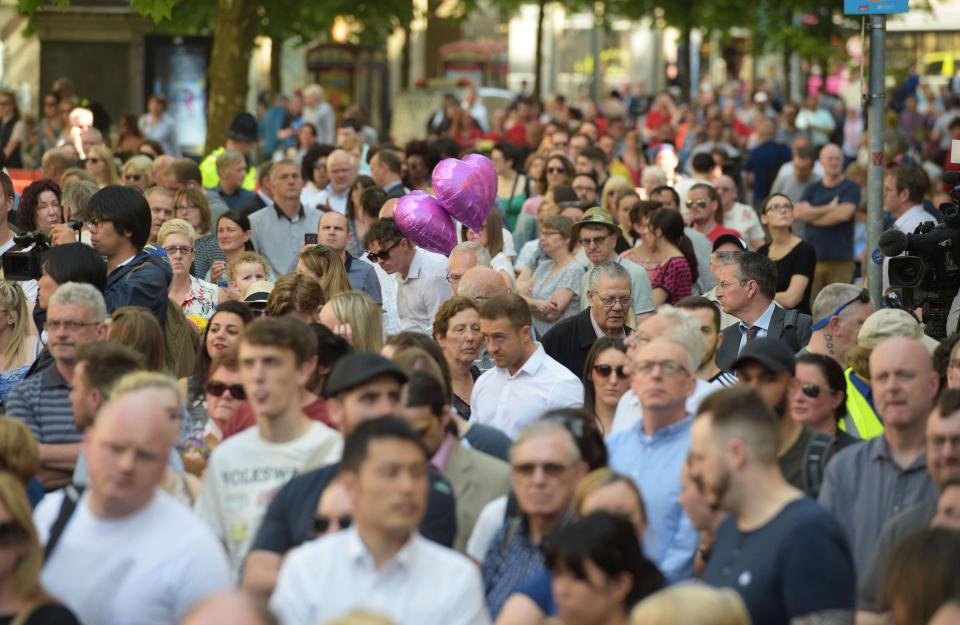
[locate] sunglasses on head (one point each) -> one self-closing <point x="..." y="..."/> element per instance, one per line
<point x="322" y="523"/>
<point x="217" y="389"/>
<point x="604" y="371"/>
<point x="863" y="297"/>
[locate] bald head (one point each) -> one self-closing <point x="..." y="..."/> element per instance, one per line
<point x="831" y="158"/>
<point x="232" y="607"/>
<point x="127" y="449"/>
<point x="386" y="211"/>
<point x="482" y="283"/>
<point x="903" y="382"/>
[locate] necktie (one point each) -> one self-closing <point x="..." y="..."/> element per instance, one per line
<point x="752" y="333"/>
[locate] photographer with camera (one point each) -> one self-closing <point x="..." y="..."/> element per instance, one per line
<point x="119" y="226"/>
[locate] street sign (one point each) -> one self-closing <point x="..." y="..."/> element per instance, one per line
<point x="874" y="7"/>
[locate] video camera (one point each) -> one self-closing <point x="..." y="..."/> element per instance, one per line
<point x="24" y="261"/>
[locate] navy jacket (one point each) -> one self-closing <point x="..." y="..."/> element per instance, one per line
<point x="569" y="341"/>
<point x="141" y="282"/>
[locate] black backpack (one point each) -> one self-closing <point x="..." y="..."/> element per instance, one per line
<point x="819" y="450"/>
<point x="71" y="497"/>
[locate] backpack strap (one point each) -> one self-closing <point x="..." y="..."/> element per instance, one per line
<point x="789" y="333"/>
<point x="815" y="458"/>
<point x="71" y="496"/>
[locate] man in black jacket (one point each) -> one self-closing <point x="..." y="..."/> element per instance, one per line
<point x="569" y="341"/>
<point x="119" y="227"/>
<point x="746" y="286"/>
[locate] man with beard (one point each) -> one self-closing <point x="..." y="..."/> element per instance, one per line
<point x="787" y="558"/>
<point x="768" y="366"/>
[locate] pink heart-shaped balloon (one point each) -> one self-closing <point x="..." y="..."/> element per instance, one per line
<point x="423" y="220"/>
<point x="467" y="188"/>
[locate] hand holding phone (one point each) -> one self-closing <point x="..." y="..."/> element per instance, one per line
<point x="310" y="238"/>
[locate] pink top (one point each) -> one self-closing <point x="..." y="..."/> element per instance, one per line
<point x="439" y="460"/>
<point x="673" y="276"/>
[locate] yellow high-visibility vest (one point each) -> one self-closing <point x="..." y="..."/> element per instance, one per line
<point x="862" y="420"/>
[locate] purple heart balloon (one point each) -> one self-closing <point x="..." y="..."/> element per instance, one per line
<point x="467" y="189"/>
<point x="423" y="220"/>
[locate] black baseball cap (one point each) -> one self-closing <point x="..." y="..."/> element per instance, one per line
<point x="729" y="238"/>
<point x="774" y="354"/>
<point x="356" y="369"/>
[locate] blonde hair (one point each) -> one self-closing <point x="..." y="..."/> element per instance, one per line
<point x="19" y="453"/>
<point x="15" y="303"/>
<point x="176" y="226"/>
<point x="246" y="257"/>
<point x="140" y="164"/>
<point x="365" y="319"/>
<point x="26" y="573"/>
<point x="692" y="602"/>
<point x="295" y="292"/>
<point x="76" y="173"/>
<point x="325" y="263"/>
<point x="620" y="185"/>
<point x="198" y="198"/>
<point x="599" y="478"/>
<point x="143" y="380"/>
<point x="109" y="165"/>
<point x="137" y="328"/>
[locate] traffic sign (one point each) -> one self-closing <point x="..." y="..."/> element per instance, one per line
<point x="874" y="7"/>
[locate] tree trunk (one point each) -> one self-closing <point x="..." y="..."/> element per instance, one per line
<point x="276" y="63"/>
<point x="538" y="55"/>
<point x="233" y="37"/>
<point x="683" y="62"/>
<point x="405" y="58"/>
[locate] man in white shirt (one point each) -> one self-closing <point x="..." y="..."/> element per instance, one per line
<point x="277" y="359"/>
<point x="342" y="170"/>
<point x="676" y="325"/>
<point x="817" y="121"/>
<point x="738" y="216"/>
<point x="128" y="554"/>
<point x="381" y="564"/>
<point x="421" y="275"/>
<point x="904" y="189"/>
<point x="526" y="382"/>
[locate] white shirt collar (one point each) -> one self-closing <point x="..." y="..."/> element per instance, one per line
<point x="914" y="214"/>
<point x="126" y="262"/>
<point x="359" y="553"/>
<point x="414" y="270"/>
<point x="532" y="365"/>
<point x="763" y="321"/>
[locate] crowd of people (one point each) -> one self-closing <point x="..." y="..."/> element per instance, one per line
<point x="651" y="389"/>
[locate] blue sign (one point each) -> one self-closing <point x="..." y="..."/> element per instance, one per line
<point x="874" y="7"/>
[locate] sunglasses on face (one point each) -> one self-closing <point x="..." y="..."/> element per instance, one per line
<point x="810" y="390"/>
<point x="604" y="371"/>
<point x="322" y="523"/>
<point x="383" y="254"/>
<point x="217" y="389"/>
<point x="551" y="469"/>
<point x="697" y="204"/>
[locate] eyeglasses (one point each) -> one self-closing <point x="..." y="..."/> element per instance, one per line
<point x="96" y="224"/>
<point x="549" y="233"/>
<point x="10" y="533"/>
<point x="256" y="312"/>
<point x="173" y="250"/>
<point x="453" y="277"/>
<point x="322" y="523"/>
<point x="556" y="170"/>
<point x="610" y="302"/>
<point x="383" y="254"/>
<point x="604" y="371"/>
<point x="863" y="297"/>
<point x="187" y="208"/>
<point x="778" y="208"/>
<point x="667" y="367"/>
<point x="594" y="241"/>
<point x="937" y="441"/>
<point x="70" y="326"/>
<point x="810" y="390"/>
<point x="217" y="389"/>
<point x="726" y="284"/>
<point x="551" y="469"/>
<point x="698" y="204"/>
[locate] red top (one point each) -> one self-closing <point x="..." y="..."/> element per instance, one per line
<point x="674" y="277"/>
<point x="242" y="418"/>
<point x="720" y="230"/>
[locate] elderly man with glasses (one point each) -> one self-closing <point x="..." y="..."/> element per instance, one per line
<point x="747" y="284"/>
<point x="597" y="233"/>
<point x="653" y="452"/>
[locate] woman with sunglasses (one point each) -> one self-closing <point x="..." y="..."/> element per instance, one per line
<point x="795" y="258"/>
<point x="819" y="399"/>
<point x="221" y="335"/>
<point x="101" y="164"/>
<point x="334" y="510"/>
<point x="197" y="298"/>
<point x="22" y="598"/>
<point x="558" y="171"/>
<point x="605" y="379"/>
<point x="137" y="172"/>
